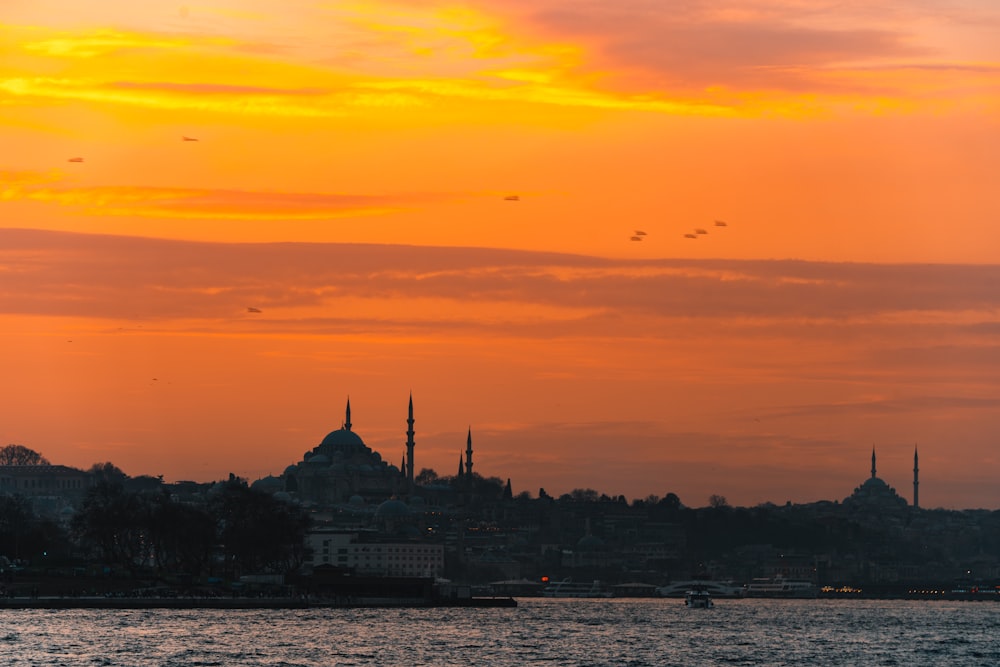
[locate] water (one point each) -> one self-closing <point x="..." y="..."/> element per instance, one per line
<point x="631" y="633"/>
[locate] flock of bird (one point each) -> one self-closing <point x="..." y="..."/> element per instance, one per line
<point x="698" y="231"/>
<point x="639" y="235"/>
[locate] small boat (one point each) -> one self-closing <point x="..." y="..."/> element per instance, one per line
<point x="698" y="598"/>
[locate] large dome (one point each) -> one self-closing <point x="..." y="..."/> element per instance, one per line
<point x="342" y="440"/>
<point x="876" y="485"/>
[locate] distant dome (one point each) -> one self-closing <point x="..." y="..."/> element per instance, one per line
<point x="875" y="494"/>
<point x="391" y="508"/>
<point x="319" y="459"/>
<point x="283" y="496"/>
<point x="268" y="484"/>
<point x="356" y="500"/>
<point x="292" y="469"/>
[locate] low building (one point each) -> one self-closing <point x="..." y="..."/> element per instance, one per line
<point x="375" y="555"/>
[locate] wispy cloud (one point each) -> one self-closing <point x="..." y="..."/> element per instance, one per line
<point x="200" y="203"/>
<point x="753" y="293"/>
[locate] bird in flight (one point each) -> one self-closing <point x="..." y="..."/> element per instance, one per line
<point x="720" y="223"/>
<point x="701" y="231"/>
<point x="188" y="139"/>
<point x="75" y="159"/>
<point x="512" y="198"/>
<point x="251" y="309"/>
<point x="690" y="236"/>
<point x="636" y="238"/>
<point x="639" y="232"/>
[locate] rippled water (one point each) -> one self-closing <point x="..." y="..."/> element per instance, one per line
<point x="553" y="632"/>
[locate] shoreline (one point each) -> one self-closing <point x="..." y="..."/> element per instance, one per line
<point x="96" y="602"/>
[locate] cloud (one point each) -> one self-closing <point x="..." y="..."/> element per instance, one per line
<point x="573" y="290"/>
<point x="766" y="54"/>
<point x="200" y="203"/>
<point x="702" y="58"/>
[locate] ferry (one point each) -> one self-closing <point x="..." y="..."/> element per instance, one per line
<point x="567" y="588"/>
<point x="718" y="589"/>
<point x="779" y="587"/>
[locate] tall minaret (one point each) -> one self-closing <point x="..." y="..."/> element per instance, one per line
<point x="468" y="454"/>
<point x="873" y="460"/>
<point x="409" y="447"/>
<point x="916" y="481"/>
<point x="347" y="422"/>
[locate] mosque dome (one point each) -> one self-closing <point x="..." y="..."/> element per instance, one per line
<point x="875" y="485"/>
<point x="292" y="469"/>
<point x="319" y="459"/>
<point x="356" y="501"/>
<point x="342" y="440"/>
<point x="874" y="495"/>
<point x="392" y="508"/>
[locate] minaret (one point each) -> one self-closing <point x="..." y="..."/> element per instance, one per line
<point x="468" y="454"/>
<point x="409" y="447"/>
<point x="347" y="421"/>
<point x="916" y="481"/>
<point x="459" y="476"/>
<point x="873" y="461"/>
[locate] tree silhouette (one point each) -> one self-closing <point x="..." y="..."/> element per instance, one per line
<point x="107" y="472"/>
<point x="183" y="536"/>
<point x="19" y="455"/>
<point x="425" y="477"/>
<point x="22" y="534"/>
<point x="258" y="533"/>
<point x="115" y="523"/>
<point x="715" y="500"/>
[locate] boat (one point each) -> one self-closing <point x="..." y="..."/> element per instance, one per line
<point x="567" y="588"/>
<point x="717" y="589"/>
<point x="698" y="598"/>
<point x="779" y="587"/>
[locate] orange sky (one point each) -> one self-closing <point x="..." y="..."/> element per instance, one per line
<point x="349" y="181"/>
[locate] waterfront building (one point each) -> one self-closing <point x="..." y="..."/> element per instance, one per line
<point x="368" y="553"/>
<point x="52" y="489"/>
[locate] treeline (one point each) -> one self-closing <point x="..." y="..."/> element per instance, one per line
<point x="236" y="531"/>
<point x="233" y="531"/>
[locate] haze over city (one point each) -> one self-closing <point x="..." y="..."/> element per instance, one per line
<point x="218" y="221"/>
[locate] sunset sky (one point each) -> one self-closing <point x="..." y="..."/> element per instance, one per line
<point x="350" y="174"/>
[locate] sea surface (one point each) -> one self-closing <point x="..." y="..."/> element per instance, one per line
<point x="539" y="631"/>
